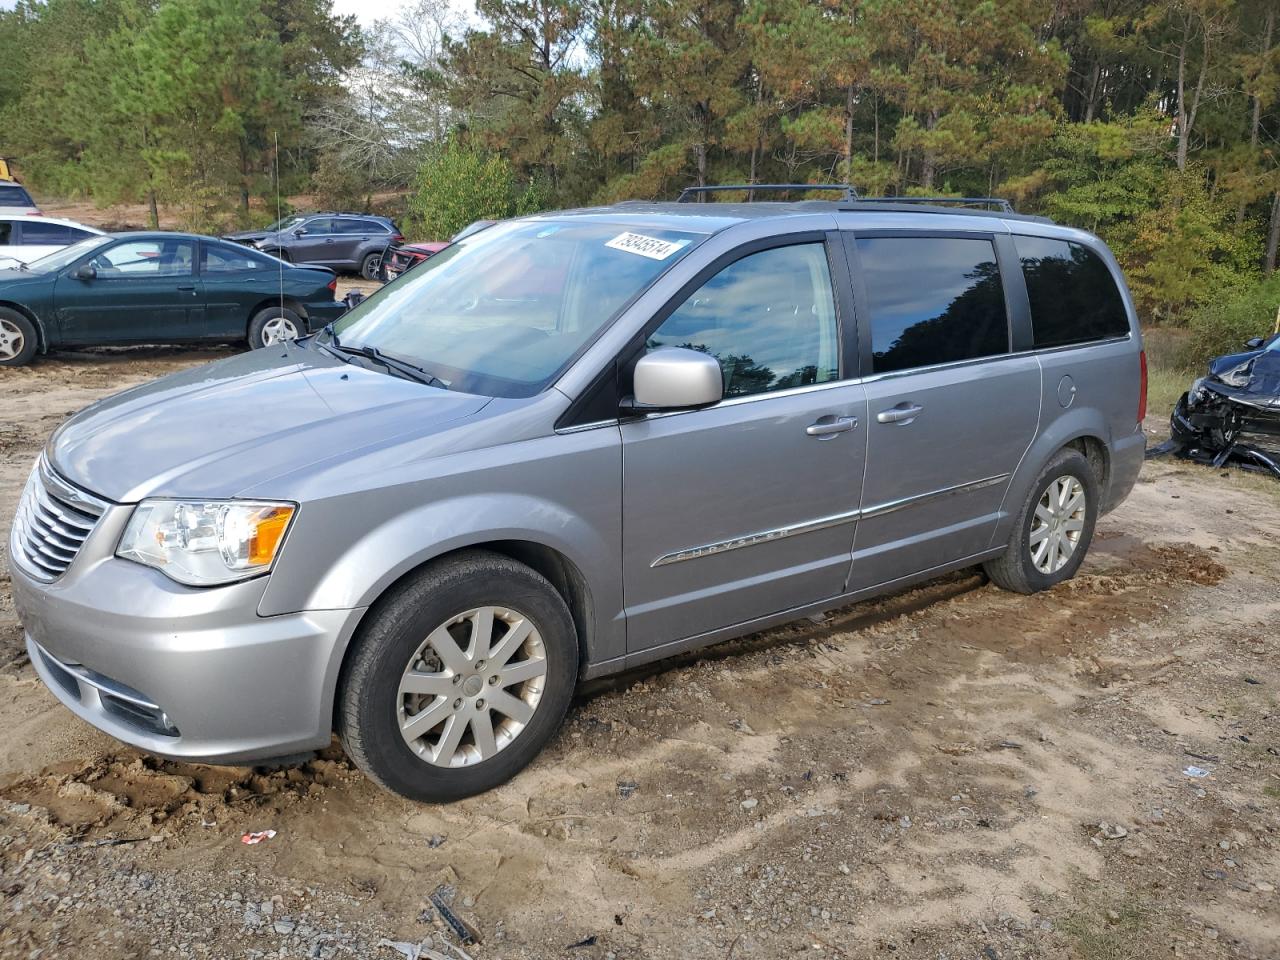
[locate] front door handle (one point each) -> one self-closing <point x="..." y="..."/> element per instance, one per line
<point x="829" y="426"/>
<point x="903" y="413"/>
<point x="188" y="288"/>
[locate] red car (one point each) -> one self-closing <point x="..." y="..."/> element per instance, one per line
<point x="399" y="258"/>
<point x="405" y="256"/>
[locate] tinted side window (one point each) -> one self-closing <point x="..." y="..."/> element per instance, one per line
<point x="769" y="318"/>
<point x="229" y="260"/>
<point x="1074" y="298"/>
<point x="324" y="226"/>
<point x="12" y="195"/>
<point x="932" y="300"/>
<point x="6" y="231"/>
<point x="48" y="233"/>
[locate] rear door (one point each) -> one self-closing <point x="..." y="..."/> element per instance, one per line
<point x="746" y="508"/>
<point x="145" y="291"/>
<point x="951" y="408"/>
<point x="317" y="244"/>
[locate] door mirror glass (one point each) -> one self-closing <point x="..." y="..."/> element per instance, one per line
<point x="676" y="378"/>
<point x="86" y="271"/>
<point x="1254" y="343"/>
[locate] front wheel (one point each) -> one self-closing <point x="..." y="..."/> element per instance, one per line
<point x="274" y="325"/>
<point x="458" y="678"/>
<point x="1054" y="528"/>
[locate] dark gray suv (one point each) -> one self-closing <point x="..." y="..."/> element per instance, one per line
<point x="352" y="242"/>
<point x="566" y="446"/>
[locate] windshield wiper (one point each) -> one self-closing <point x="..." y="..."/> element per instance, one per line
<point x="402" y="367"/>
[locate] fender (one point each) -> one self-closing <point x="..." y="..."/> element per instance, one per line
<point x="375" y="560"/>
<point x="1070" y="425"/>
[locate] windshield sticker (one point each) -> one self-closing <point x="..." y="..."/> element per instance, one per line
<point x="650" y="247"/>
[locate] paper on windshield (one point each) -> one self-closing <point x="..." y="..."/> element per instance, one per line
<point x="650" y="247"/>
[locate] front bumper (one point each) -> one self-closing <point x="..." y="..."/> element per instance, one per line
<point x="192" y="674"/>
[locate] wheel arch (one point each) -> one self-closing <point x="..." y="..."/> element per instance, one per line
<point x="1083" y="430"/>
<point x="42" y="336"/>
<point x="564" y="575"/>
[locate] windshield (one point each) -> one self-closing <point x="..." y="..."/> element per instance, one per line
<point x="67" y="255"/>
<point x="502" y="312"/>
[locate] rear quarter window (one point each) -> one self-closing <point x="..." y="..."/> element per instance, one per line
<point x="932" y="300"/>
<point x="1073" y="295"/>
<point x="13" y="195"/>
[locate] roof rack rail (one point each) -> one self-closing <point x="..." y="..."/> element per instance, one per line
<point x="689" y="193"/>
<point x="999" y="203"/>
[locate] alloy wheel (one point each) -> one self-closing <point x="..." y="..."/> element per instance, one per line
<point x="472" y="687"/>
<point x="1057" y="524"/>
<point x="11" y="340"/>
<point x="277" y="330"/>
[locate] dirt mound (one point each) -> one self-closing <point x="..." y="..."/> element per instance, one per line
<point x="129" y="790"/>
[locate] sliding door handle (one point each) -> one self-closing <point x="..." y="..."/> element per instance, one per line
<point x="829" y="426"/>
<point x="903" y="413"/>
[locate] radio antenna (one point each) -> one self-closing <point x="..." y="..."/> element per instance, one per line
<point x="279" y="215"/>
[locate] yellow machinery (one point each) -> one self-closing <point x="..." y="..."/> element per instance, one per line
<point x="6" y="172"/>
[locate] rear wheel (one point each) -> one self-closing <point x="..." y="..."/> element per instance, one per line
<point x="274" y="325"/>
<point x="1054" y="528"/>
<point x="371" y="266"/>
<point x="17" y="339"/>
<point x="458" y="679"/>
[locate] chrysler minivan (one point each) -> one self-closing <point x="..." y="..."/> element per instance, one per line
<point x="567" y="445"/>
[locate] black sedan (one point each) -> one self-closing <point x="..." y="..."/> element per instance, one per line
<point x="158" y="288"/>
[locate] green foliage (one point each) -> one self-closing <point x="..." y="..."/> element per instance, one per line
<point x="177" y="101"/>
<point x="1223" y="325"/>
<point x="459" y="185"/>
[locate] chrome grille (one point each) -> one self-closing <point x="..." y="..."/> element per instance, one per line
<point x="52" y="523"/>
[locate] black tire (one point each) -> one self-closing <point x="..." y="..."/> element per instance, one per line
<point x="1014" y="569"/>
<point x="15" y="327"/>
<point x="258" y="325"/>
<point x="391" y="635"/>
<point x="371" y="266"/>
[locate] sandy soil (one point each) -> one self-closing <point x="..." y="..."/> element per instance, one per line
<point x="953" y="772"/>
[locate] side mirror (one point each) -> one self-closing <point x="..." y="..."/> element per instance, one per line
<point x="1254" y="343"/>
<point x="676" y="378"/>
<point x="86" y="271"/>
<point x="300" y="231"/>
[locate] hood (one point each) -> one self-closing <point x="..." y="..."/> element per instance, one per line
<point x="220" y="429"/>
<point x="1252" y="378"/>
<point x="246" y="236"/>
<point x="13" y="278"/>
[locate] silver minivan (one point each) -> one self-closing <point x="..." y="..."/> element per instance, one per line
<point x="565" y="446"/>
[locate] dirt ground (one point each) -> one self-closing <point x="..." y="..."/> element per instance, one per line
<point x="952" y="772"/>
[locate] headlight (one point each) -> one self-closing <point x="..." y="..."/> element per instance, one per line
<point x="206" y="543"/>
